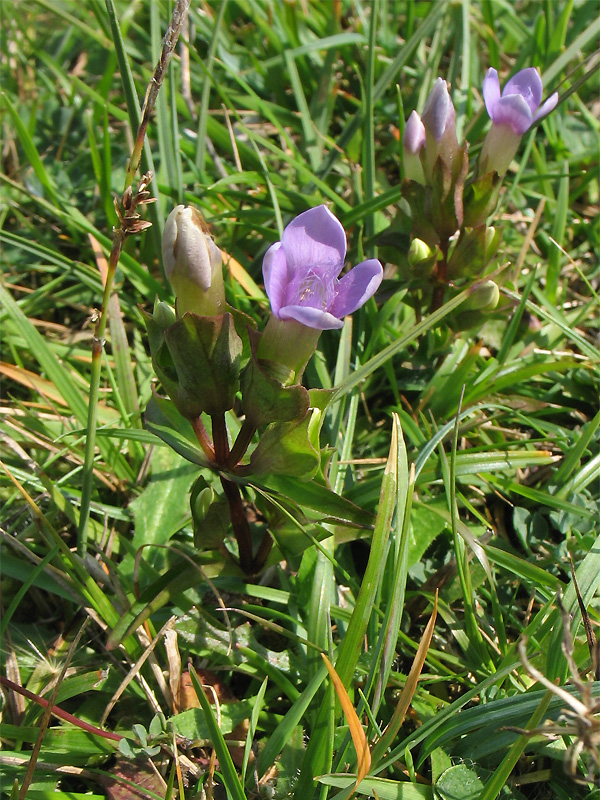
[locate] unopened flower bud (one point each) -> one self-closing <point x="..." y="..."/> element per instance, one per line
<point x="192" y="263"/>
<point x="412" y="142"/>
<point x="418" y="251"/>
<point x="164" y="316"/>
<point x="483" y="298"/>
<point x="439" y="119"/>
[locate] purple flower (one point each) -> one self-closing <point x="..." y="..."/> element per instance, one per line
<point x="301" y="273"/>
<point x="519" y="105"/>
<point x="512" y="114"/>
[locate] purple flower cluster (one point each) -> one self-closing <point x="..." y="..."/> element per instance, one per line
<point x="512" y="111"/>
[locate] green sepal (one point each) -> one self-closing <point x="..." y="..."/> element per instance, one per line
<point x="471" y="255"/>
<point x="210" y="516"/>
<point x="206" y="353"/>
<point x="285" y="448"/>
<point x="164" y="420"/>
<point x="320" y="398"/>
<point x="445" y="196"/>
<point x="162" y="362"/>
<point x="481" y="198"/>
<point x="264" y="399"/>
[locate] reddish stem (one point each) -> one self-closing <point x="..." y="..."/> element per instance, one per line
<point x="241" y="444"/>
<point x="219" y="433"/>
<point x="203" y="438"/>
<point x="240" y="524"/>
<point x="58" y="712"/>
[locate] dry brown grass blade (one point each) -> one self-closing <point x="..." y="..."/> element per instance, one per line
<point x="409" y="688"/>
<point x="359" y="738"/>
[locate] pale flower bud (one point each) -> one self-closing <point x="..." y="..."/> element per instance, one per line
<point x="412" y="143"/>
<point x="192" y="263"/>
<point x="439" y="119"/>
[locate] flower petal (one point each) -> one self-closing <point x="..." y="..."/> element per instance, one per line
<point x="414" y="134"/>
<point x="491" y="91"/>
<point x="546" y="107"/>
<point x="528" y="84"/>
<point x="315" y="238"/>
<point x="356" y="287"/>
<point x="437" y="108"/>
<point x="311" y="317"/>
<point x="513" y="110"/>
<point x="275" y="275"/>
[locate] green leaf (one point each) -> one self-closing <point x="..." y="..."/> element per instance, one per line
<point x="315" y="497"/>
<point x="164" y="420"/>
<point x="235" y="790"/>
<point x="285" y="448"/>
<point x="380" y="787"/>
<point x="163" y="507"/>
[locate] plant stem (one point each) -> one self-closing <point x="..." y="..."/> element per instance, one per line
<point x="219" y="434"/>
<point x="58" y="712"/>
<point x="203" y="438"/>
<point x="239" y="522"/>
<point x="241" y="444"/>
<point x="90" y="439"/>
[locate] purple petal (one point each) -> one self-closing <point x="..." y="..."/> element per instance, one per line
<point x="414" y="134"/>
<point x="437" y="108"/>
<point x="491" y="91"/>
<point x="528" y="84"/>
<point x="311" y="317"/>
<point x="513" y="110"/>
<point x="356" y="287"/>
<point x="546" y="107"/>
<point x="315" y="238"/>
<point x="275" y="274"/>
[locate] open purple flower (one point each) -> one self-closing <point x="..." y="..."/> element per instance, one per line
<point x="512" y="113"/>
<point x="301" y="273"/>
<point x="519" y="105"/>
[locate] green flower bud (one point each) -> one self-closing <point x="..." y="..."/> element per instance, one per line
<point x="193" y="263"/>
<point x="483" y="298"/>
<point x="418" y="251"/>
<point x="164" y="316"/>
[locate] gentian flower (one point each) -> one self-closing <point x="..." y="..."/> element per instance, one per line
<point x="301" y="273"/>
<point x="192" y="263"/>
<point x="512" y="113"/>
<point x="439" y="120"/>
<point x="412" y="143"/>
<point x="307" y="296"/>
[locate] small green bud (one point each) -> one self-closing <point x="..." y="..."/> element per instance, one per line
<point x="201" y="499"/>
<point x="418" y="251"/>
<point x="483" y="298"/>
<point x="164" y="316"/>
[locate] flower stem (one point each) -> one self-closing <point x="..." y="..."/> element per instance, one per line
<point x="241" y="444"/>
<point x="240" y="524"/>
<point x="219" y="434"/>
<point x="203" y="438"/>
<point x="90" y="439"/>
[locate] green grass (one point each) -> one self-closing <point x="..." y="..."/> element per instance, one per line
<point x="270" y="108"/>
